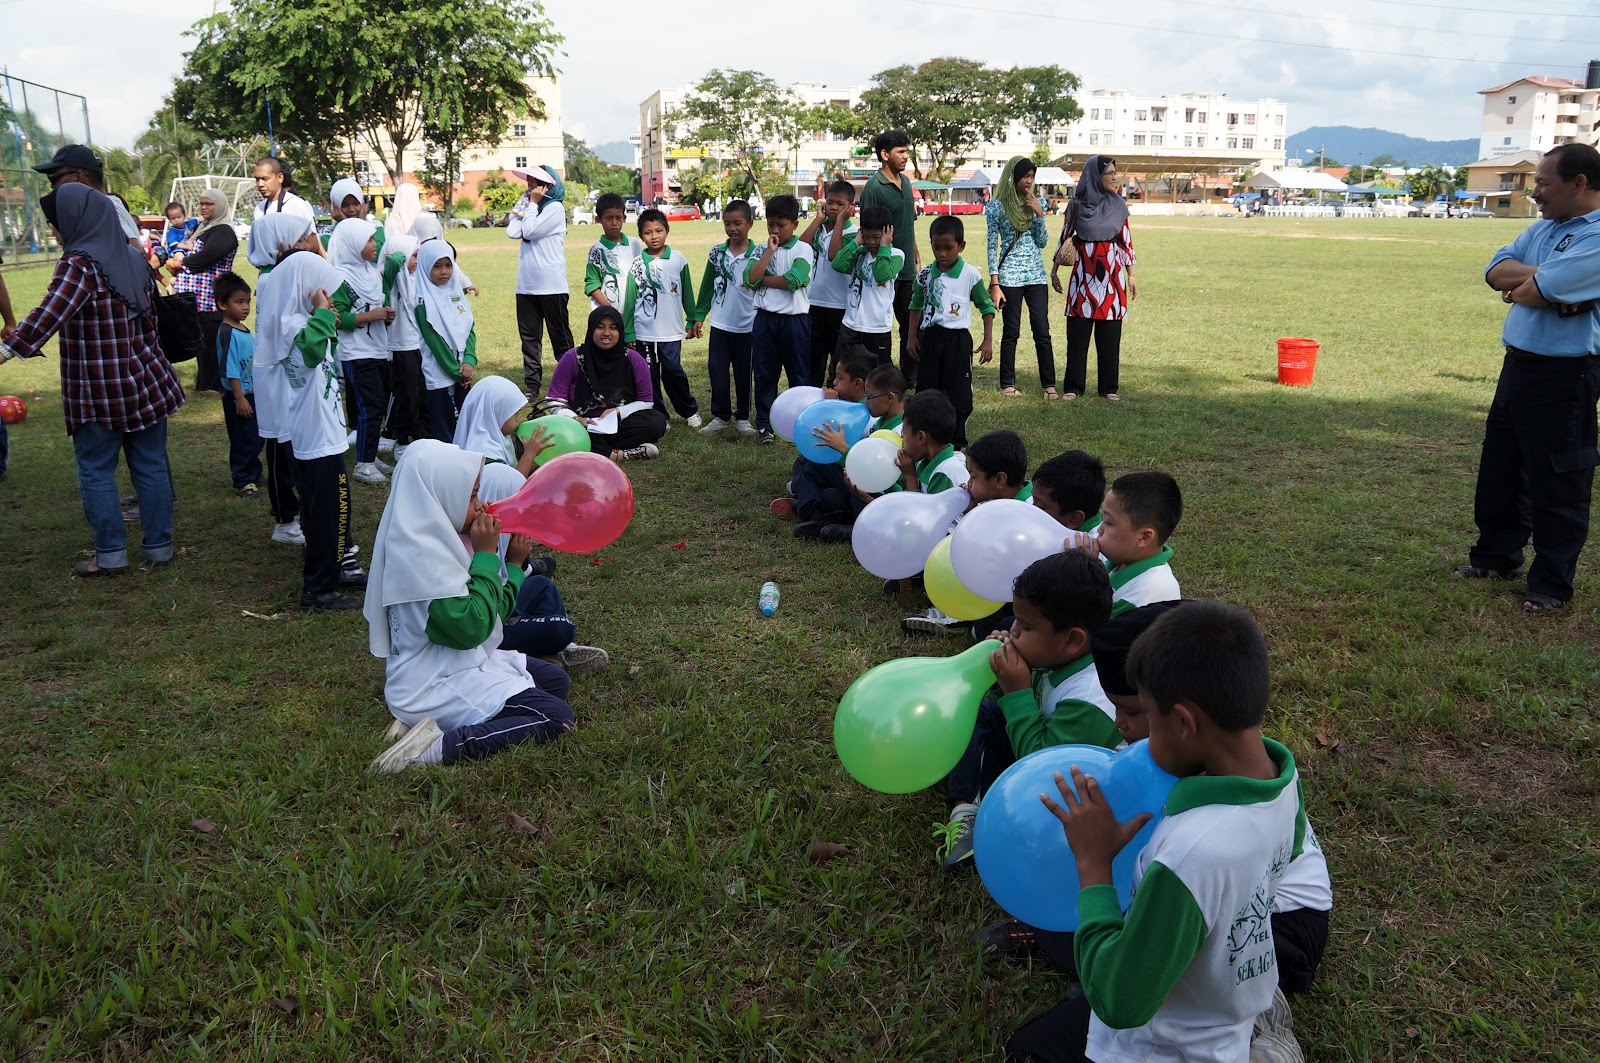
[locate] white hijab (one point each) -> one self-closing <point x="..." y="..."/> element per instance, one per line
<point x="405" y="210"/>
<point x="272" y="234"/>
<point x="344" y="188"/>
<point x="449" y="312"/>
<point x="283" y="300"/>
<point x="344" y="251"/>
<point x="418" y="555"/>
<point x="491" y="402"/>
<point x="427" y="227"/>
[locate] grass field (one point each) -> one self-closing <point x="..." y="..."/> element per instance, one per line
<point x="655" y="900"/>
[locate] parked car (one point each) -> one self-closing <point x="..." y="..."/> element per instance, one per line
<point x="1477" y="212"/>
<point x="681" y="212"/>
<point x="583" y="215"/>
<point x="1434" y="210"/>
<point x="631" y="206"/>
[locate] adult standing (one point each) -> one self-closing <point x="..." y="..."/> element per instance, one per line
<point x="117" y="389"/>
<point x="214" y="245"/>
<point x="1097" y="244"/>
<point x="1014" y="220"/>
<point x="78" y="164"/>
<point x="1536" y="474"/>
<point x="891" y="189"/>
<point x="273" y="181"/>
<point x="540" y="222"/>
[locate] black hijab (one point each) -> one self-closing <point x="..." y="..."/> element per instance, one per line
<point x="88" y="225"/>
<point x="605" y="378"/>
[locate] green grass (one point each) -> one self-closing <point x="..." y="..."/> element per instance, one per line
<point x="665" y="908"/>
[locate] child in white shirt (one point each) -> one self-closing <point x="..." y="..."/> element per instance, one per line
<point x="781" y="337"/>
<point x="728" y="306"/>
<point x="658" y="311"/>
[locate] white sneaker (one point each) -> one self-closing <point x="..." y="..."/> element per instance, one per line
<point x="368" y="473"/>
<point x="578" y="659"/>
<point x="396" y="731"/>
<point x="932" y="622"/>
<point x="289" y="534"/>
<point x="423" y="744"/>
<point x="642" y="452"/>
<point x="744" y="428"/>
<point x="717" y="425"/>
<point x="694" y="420"/>
<point x="385" y="445"/>
<point x="400" y="451"/>
<point x="350" y="438"/>
<point x="383" y="466"/>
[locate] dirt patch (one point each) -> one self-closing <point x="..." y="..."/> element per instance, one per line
<point x="1488" y="774"/>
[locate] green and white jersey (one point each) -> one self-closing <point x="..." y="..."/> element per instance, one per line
<point x="792" y="261"/>
<point x="659" y="297"/>
<point x="1144" y="583"/>
<point x="314" y="410"/>
<point x="607" y="268"/>
<point x="1185" y="973"/>
<point x="869" y="291"/>
<point x="726" y="302"/>
<point x="830" y="287"/>
<point x="946" y="299"/>
<point x="1306" y="884"/>
<point x="1066" y="706"/>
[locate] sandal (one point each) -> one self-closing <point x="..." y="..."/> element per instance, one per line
<point x="1011" y="393"/>
<point x="1113" y="397"/>
<point x="1478" y="572"/>
<point x="1070" y="395"/>
<point x="1050" y="394"/>
<point x="88" y="569"/>
<point x="1535" y="604"/>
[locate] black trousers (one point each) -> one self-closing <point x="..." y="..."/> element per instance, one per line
<point x="536" y="314"/>
<point x="1536" y="474"/>
<point x="367" y="386"/>
<point x="902" y="316"/>
<point x="244" y="442"/>
<point x="324" y="519"/>
<point x="730" y="354"/>
<point x="825" y="324"/>
<point x="1037" y="299"/>
<point x="1107" y="335"/>
<point x="671" y="383"/>
<point x="443" y="406"/>
<point x="643" y="426"/>
<point x="281" y="478"/>
<point x="878" y="344"/>
<point x="945" y="364"/>
<point x="538" y="714"/>
<point x="1060" y="1035"/>
<point x="407" y="422"/>
<point x="1299" y="937"/>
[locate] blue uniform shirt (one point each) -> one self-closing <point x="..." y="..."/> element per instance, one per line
<point x="1567" y="255"/>
<point x="241" y="358"/>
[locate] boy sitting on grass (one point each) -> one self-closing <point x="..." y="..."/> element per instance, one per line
<point x="821" y="495"/>
<point x="1138" y="516"/>
<point x="927" y="461"/>
<point x="1050" y="692"/>
<point x="1071" y="487"/>
<point x="1186" y="973"/>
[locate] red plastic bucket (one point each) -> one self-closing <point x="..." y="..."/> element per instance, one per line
<point x="1297" y="361"/>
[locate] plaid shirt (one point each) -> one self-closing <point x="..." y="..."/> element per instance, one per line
<point x="113" y="373"/>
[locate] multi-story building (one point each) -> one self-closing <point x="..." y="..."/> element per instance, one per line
<point x="1502" y="183"/>
<point x="1538" y="113"/>
<point x="1176" y="134"/>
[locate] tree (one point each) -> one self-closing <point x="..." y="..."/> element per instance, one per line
<point x="1430" y="181"/>
<point x="581" y="162"/>
<point x="945" y="106"/>
<point x="1386" y="160"/>
<point x="497" y="193"/>
<point x="742" y="112"/>
<point x="1041" y="155"/>
<point x="1042" y="99"/>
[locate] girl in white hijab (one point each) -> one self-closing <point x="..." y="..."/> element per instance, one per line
<point x="444" y="318"/>
<point x="405" y="210"/>
<point x="434" y="610"/>
<point x="363" y="339"/>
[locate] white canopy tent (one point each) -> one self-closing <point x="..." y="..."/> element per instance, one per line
<point x="1296" y="181"/>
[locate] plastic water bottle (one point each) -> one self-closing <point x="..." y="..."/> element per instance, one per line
<point x="769" y="598"/>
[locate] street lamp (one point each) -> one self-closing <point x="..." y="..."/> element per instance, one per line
<point x="1322" y="162"/>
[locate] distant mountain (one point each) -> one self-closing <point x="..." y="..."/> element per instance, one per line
<point x="1350" y="145"/>
<point x="620" y="152"/>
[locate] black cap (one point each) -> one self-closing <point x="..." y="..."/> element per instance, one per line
<point x="1110" y="645"/>
<point x="73" y="157"/>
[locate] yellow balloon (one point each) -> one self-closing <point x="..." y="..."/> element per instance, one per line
<point x="948" y="593"/>
<point x="888" y="433"/>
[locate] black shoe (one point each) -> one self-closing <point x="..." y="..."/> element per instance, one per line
<point x="766" y="436"/>
<point x="542" y="566"/>
<point x="837" y="533"/>
<point x="1478" y="572"/>
<point x="808" y="529"/>
<point x="1009" y="937"/>
<point x="352" y="576"/>
<point x="327" y="602"/>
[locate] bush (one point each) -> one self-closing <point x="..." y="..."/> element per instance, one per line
<point x="466" y="205"/>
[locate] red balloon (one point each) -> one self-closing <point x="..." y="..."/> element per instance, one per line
<point x="576" y="503"/>
<point x="12" y="409"/>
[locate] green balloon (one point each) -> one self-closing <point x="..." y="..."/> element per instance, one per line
<point x="903" y="725"/>
<point x="567" y="435"/>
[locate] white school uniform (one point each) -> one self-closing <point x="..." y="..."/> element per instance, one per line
<point x="365" y="281"/>
<point x="1306" y="883"/>
<point x="789" y="256"/>
<point x="829" y="287"/>
<point x="1144" y="583"/>
<point x="658" y="290"/>
<point x="612" y="262"/>
<point x="313" y="406"/>
<point x="446" y="308"/>
<point x="733" y="305"/>
<point x="869" y="303"/>
<point x="947" y="297"/>
<point x="268" y="237"/>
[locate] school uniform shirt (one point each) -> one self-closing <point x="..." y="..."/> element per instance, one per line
<point x="1066" y="706"/>
<point x="607" y="268"/>
<point x="443" y="661"/>
<point x="941" y="472"/>
<point x="441" y="363"/>
<point x="1143" y="583"/>
<point x="542" y="259"/>
<point x="793" y="261"/>
<point x="1306" y="883"/>
<point x="271" y="385"/>
<point x="869" y="286"/>
<point x="946" y="299"/>
<point x="891" y="423"/>
<point x="285" y="202"/>
<point x="314" y="415"/>
<point x="241" y="357"/>
<point x="658" y="298"/>
<point x="1185" y="973"/>
<point x="830" y="288"/>
<point x="357" y="342"/>
<point x="725" y="301"/>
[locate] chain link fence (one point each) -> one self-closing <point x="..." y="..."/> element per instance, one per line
<point x="35" y="121"/>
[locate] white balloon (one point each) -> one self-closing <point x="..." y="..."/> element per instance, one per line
<point x="895" y="534"/>
<point x="870" y="465"/>
<point x="788" y="406"/>
<point x="997" y="540"/>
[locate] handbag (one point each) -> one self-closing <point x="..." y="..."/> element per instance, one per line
<point x="1065" y="251"/>
<point x="178" y="326"/>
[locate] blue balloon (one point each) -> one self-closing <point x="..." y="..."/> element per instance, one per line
<point x="849" y="417"/>
<point x="1021" y="852"/>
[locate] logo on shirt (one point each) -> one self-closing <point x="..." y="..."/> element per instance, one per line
<point x="1566" y="242"/>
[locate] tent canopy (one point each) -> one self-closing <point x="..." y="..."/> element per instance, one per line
<point x="929" y="186"/>
<point x="978" y="180"/>
<point x="1051" y="175"/>
<point x="1290" y="180"/>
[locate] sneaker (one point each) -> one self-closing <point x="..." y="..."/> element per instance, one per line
<point x="400" y="451"/>
<point x="368" y="473"/>
<point x="131" y="514"/>
<point x="578" y="659"/>
<point x="783" y="507"/>
<point x="541" y="566"/>
<point x="956" y="836"/>
<point x="327" y="602"/>
<point x="383" y="466"/>
<point x="249" y="491"/>
<point x="423" y="744"/>
<point x="642" y="452"/>
<point x="1269" y="1046"/>
<point x="808" y="529"/>
<point x="350" y="438"/>
<point x="837" y="533"/>
<point x="288" y="534"/>
<point x="717" y="424"/>
<point x="385" y="445"/>
<point x="352" y="576"/>
<point x="694" y="420"/>
<point x="1277" y="1018"/>
<point x="932" y="622"/>
<point x="396" y="731"/>
<point x="1008" y="937"/>
<point x="744" y="428"/>
<point x="765" y="435"/>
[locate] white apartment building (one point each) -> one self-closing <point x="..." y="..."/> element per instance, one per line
<point x="1181" y="133"/>
<point x="1538" y="113"/>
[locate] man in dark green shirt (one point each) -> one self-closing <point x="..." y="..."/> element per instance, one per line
<point x="891" y="189"/>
